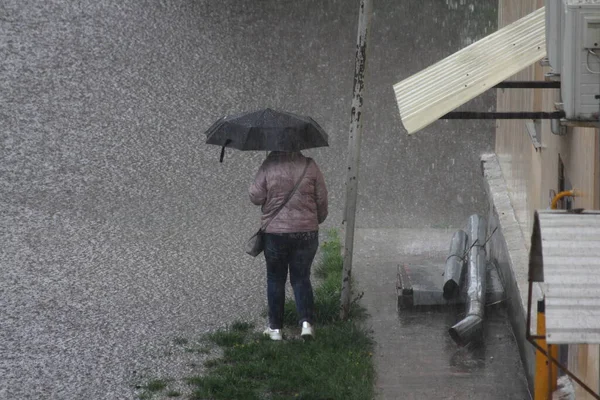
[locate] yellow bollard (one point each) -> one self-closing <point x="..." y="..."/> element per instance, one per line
<point x="546" y="372"/>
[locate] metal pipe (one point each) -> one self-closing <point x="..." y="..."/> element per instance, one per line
<point x="455" y="265"/>
<point x="470" y="327"/>
<point x="356" y="126"/>
<point x="558" y="197"/>
<point x="466" y="329"/>
<point x="528" y="85"/>
<point x="503" y="115"/>
<point x="557" y="127"/>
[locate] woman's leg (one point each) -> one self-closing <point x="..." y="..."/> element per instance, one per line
<point x="302" y="255"/>
<point x="276" y="255"/>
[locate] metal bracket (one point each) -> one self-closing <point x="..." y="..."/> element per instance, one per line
<point x="552" y="81"/>
<point x="552" y="76"/>
<point x="503" y="115"/>
<point x="576" y="123"/>
<point x="528" y="85"/>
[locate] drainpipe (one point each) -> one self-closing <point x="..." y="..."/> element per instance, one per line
<point x="471" y="326"/>
<point x="455" y="263"/>
<point x="557" y="128"/>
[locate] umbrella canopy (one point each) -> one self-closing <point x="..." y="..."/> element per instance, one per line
<point x="267" y="129"/>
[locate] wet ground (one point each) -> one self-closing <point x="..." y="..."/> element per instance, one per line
<point x="416" y="358"/>
<point x="121" y="234"/>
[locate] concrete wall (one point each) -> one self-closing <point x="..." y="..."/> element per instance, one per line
<point x="508" y="247"/>
<point x="531" y="175"/>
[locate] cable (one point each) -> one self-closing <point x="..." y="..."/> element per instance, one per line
<point x="587" y="61"/>
<point x="477" y="240"/>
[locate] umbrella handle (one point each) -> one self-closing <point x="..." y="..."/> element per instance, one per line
<point x="223" y="150"/>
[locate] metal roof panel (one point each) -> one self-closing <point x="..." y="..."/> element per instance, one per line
<point x="571" y="270"/>
<point x="430" y="94"/>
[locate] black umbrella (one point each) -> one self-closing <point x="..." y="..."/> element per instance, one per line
<point x="268" y="130"/>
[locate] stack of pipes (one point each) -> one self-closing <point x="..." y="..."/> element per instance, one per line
<point x="467" y="254"/>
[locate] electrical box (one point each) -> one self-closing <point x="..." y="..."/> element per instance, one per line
<point x="554" y="33"/>
<point x="580" y="73"/>
<point x="591" y="38"/>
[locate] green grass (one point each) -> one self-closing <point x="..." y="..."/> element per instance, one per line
<point x="151" y="388"/>
<point x="241" y="326"/>
<point x="336" y="365"/>
<point x="227" y="338"/>
<point x="156" y="385"/>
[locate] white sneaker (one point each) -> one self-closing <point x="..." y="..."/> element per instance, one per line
<point x="274" y="334"/>
<point x="308" y="332"/>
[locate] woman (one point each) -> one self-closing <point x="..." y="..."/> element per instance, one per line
<point x="292" y="234"/>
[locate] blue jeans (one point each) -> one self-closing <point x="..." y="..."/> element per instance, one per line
<point x="295" y="251"/>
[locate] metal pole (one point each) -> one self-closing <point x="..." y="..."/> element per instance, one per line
<point x="364" y="22"/>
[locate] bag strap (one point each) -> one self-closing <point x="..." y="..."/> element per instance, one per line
<point x="289" y="196"/>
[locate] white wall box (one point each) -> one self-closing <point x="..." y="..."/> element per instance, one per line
<point x="580" y="73"/>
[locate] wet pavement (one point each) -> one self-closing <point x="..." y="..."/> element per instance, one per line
<point x="415" y="356"/>
<point x="121" y="234"/>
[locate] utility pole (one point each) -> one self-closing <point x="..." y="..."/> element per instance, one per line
<point x="364" y="23"/>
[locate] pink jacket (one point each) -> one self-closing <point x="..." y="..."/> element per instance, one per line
<point x="275" y="180"/>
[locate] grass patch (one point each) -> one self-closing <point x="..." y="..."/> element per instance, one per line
<point x="156" y="385"/>
<point x="212" y="363"/>
<point x="331" y="262"/>
<point x="233" y="335"/>
<point x="337" y="365"/>
<point x="173" y="393"/>
<point x="241" y="326"/>
<point x="151" y="388"/>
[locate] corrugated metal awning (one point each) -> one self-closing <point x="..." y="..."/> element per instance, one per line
<point x="430" y="94"/>
<point x="570" y="259"/>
